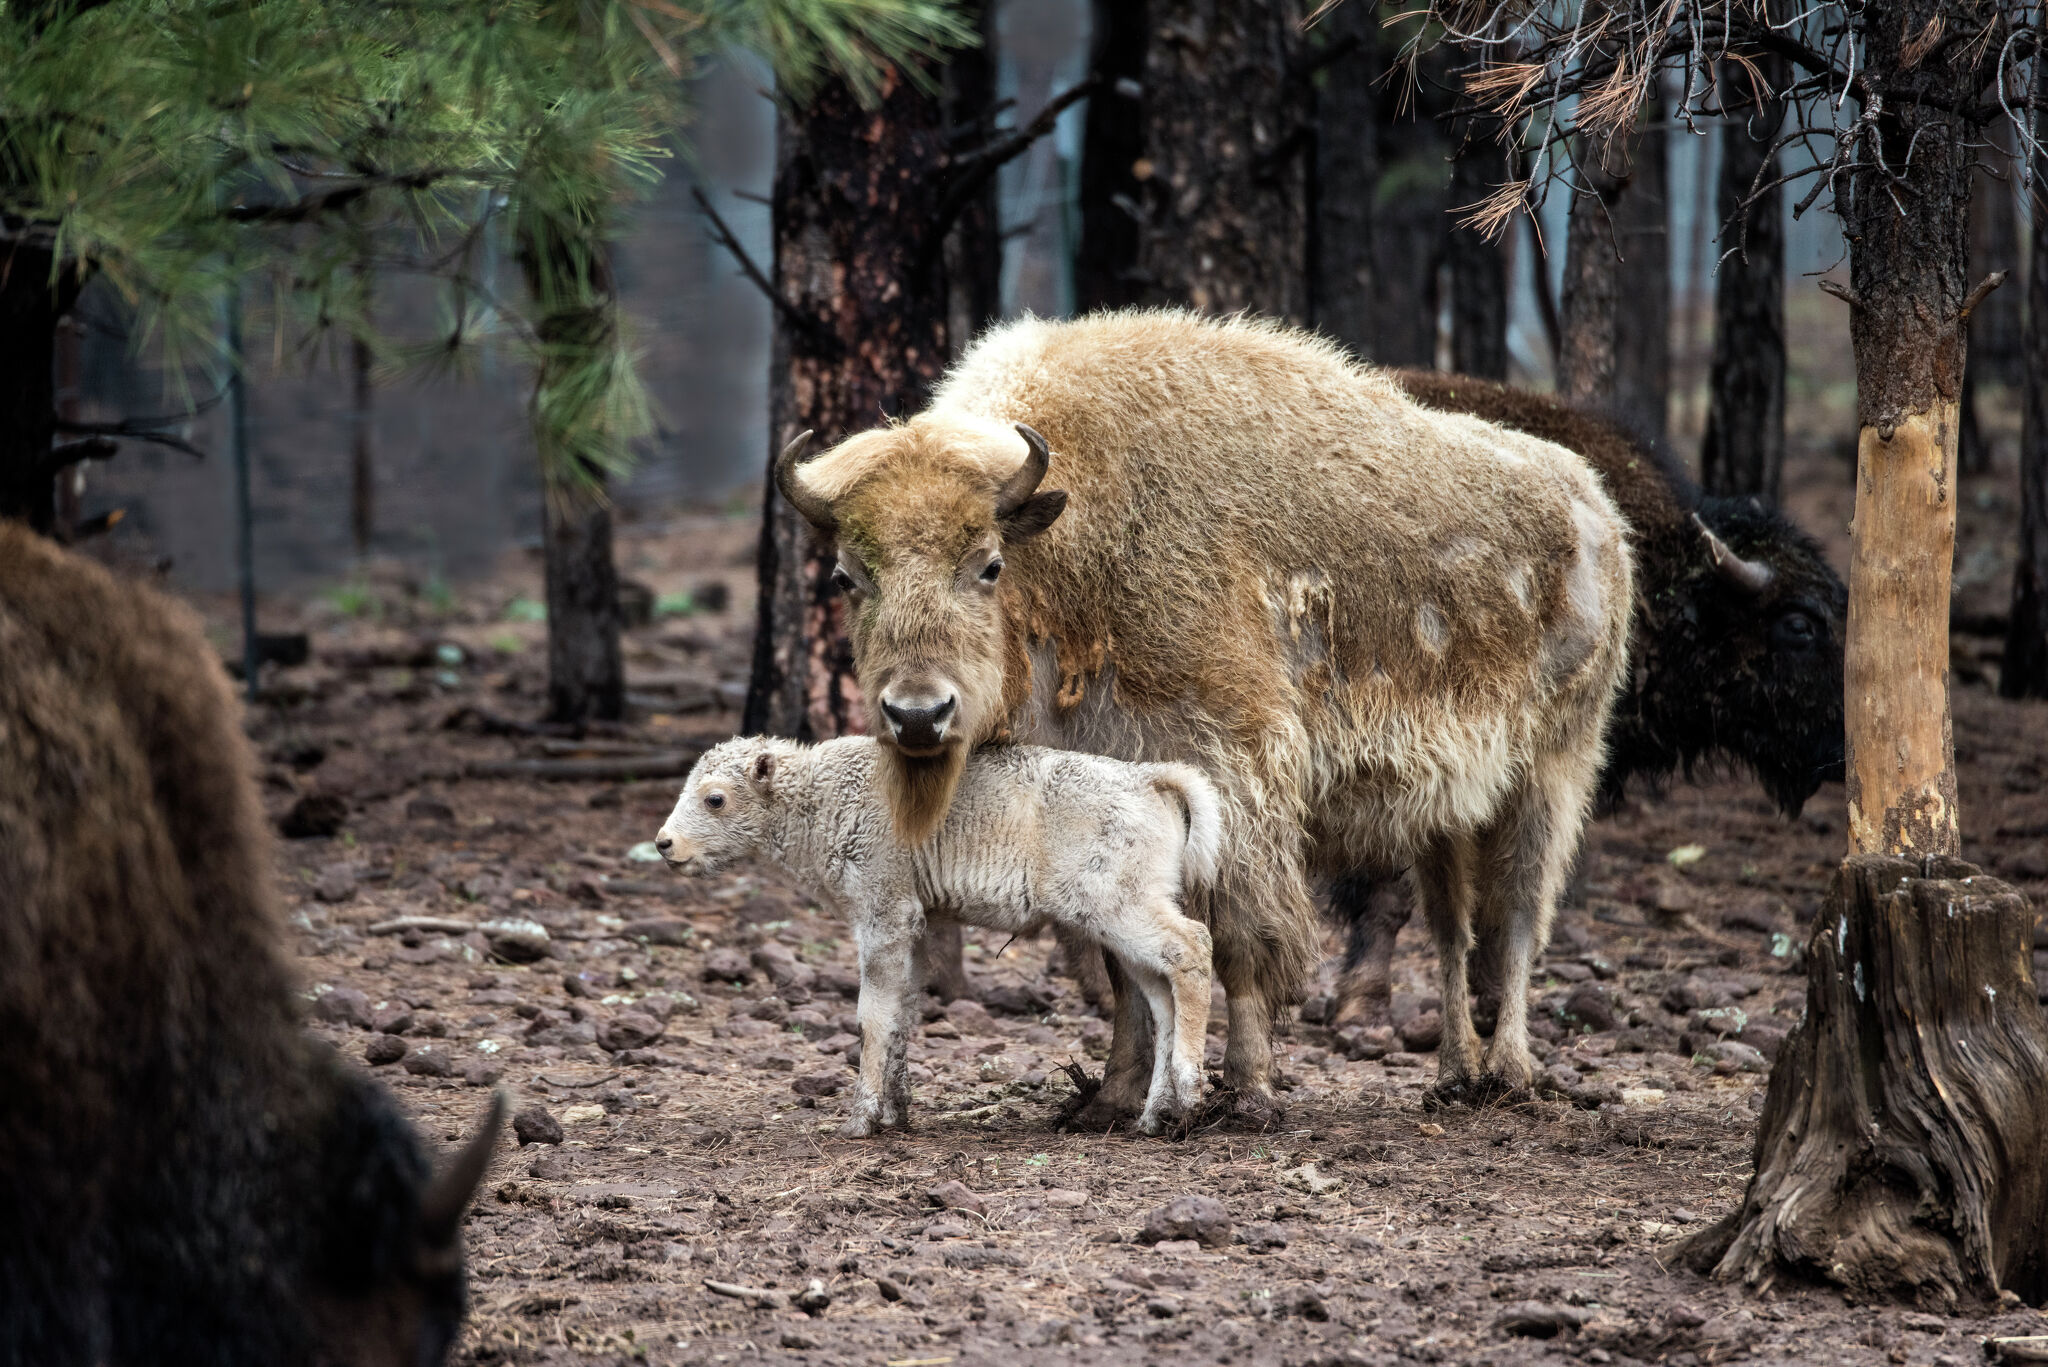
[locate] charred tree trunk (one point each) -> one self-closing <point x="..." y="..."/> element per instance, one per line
<point x="974" y="248"/>
<point x="586" y="673"/>
<point x="1478" y="268"/>
<point x="1343" y="280"/>
<point x="362" y="500"/>
<point x="2024" y="673"/>
<point x="1742" y="451"/>
<point x="1642" y="228"/>
<point x="860" y="334"/>
<point x="1995" y="348"/>
<point x="1899" y="1152"/>
<point x="1590" y="300"/>
<point x="31" y="306"/>
<point x="1226" y="128"/>
<point x="1106" y="274"/>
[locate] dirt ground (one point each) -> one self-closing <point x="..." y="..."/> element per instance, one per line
<point x="689" y="1041"/>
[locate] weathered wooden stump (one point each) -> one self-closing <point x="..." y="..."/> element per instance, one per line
<point x="1902" y="1153"/>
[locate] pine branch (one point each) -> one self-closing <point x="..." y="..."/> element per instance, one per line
<point x="129" y="429"/>
<point x="337" y="197"/>
<point x="812" y="327"/>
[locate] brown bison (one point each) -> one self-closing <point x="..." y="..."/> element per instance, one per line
<point x="1736" y="655"/>
<point x="185" y="1177"/>
<point x="1385" y="633"/>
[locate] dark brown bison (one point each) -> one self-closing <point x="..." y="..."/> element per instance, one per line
<point x="185" y="1176"/>
<point x="1385" y="633"/>
<point x="1735" y="656"/>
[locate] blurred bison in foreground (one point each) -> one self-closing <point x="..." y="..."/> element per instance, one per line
<point x="185" y="1177"/>
<point x="1735" y="653"/>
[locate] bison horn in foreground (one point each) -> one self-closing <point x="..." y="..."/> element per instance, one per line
<point x="816" y="511"/>
<point x="1748" y="575"/>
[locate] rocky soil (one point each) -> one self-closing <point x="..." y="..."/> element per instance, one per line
<point x="678" y="1053"/>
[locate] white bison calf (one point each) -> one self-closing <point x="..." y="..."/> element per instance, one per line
<point x="1094" y="845"/>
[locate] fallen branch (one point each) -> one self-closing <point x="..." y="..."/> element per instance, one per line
<point x="759" y="1297"/>
<point x="615" y="768"/>
<point x="440" y="925"/>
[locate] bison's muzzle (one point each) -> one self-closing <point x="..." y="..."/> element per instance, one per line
<point x="918" y="725"/>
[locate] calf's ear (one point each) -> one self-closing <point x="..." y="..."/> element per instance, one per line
<point x="1035" y="514"/>
<point x="764" y="770"/>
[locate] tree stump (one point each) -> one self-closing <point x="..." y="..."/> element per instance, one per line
<point x="1900" y="1153"/>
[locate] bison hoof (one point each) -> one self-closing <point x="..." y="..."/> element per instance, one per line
<point x="1100" y="1114"/>
<point x="1362" y="1008"/>
<point x="1484" y="1090"/>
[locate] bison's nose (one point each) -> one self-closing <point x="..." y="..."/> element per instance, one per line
<point x="664" y="844"/>
<point x="919" y="727"/>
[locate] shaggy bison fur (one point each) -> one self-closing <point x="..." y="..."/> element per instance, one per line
<point x="185" y="1176"/>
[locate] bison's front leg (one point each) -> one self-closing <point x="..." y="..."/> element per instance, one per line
<point x="888" y="941"/>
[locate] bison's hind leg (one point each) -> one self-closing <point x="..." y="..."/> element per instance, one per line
<point x="1527" y="854"/>
<point x="1371" y="905"/>
<point x="1443" y="878"/>
<point x="1126" y="1078"/>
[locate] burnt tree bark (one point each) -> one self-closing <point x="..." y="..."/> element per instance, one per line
<point x="1478" y="267"/>
<point x="1742" y="451"/>
<point x="2025" y="670"/>
<point x="586" y="672"/>
<point x="860" y="334"/>
<point x="1226" y="132"/>
<point x="31" y="306"/>
<point x="1899" y="1153"/>
<point x="1642" y="230"/>
<point x="1590" y="299"/>
<point x="362" y="487"/>
<point x="1345" y="172"/>
<point x="974" y="247"/>
<point x="1995" y="352"/>
<point x="1106" y="272"/>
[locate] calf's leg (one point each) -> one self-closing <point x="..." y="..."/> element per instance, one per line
<point x="1529" y="851"/>
<point x="888" y="942"/>
<point x="1443" y="885"/>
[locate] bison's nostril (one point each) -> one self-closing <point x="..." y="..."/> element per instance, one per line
<point x="919" y="727"/>
<point x="664" y="844"/>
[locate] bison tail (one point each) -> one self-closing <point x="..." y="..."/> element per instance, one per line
<point x="1202" y="858"/>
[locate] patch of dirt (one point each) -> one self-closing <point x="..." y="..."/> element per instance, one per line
<point x="699" y="1149"/>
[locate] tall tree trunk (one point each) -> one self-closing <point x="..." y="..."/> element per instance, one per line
<point x="1995" y="347"/>
<point x="1642" y="330"/>
<point x="1343" y="282"/>
<point x="1899" y="1152"/>
<point x="2025" y="671"/>
<point x="1478" y="268"/>
<point x="1106" y="274"/>
<point x="1226" y="127"/>
<point x="362" y="500"/>
<point x="30" y="308"/>
<point x="1742" y="451"/>
<point x="860" y="335"/>
<point x="974" y="248"/>
<point x="586" y="673"/>
<point x="1590" y="301"/>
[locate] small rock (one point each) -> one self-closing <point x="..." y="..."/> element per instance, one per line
<point x="1176" y="1247"/>
<point x="661" y="931"/>
<point x="970" y="1016"/>
<point x="384" y="1049"/>
<point x="1263" y="1238"/>
<point x="550" y="1167"/>
<point x="1402" y="1059"/>
<point x="630" y="1030"/>
<point x="798" y="1340"/>
<point x="818" y="1084"/>
<point x="1310" y="1306"/>
<point x="660" y="1005"/>
<point x="482" y="1072"/>
<point x="1306" y="1178"/>
<point x="1201" y="1218"/>
<point x="1062" y="1199"/>
<point x="956" y="1196"/>
<point x="1010" y="1000"/>
<point x="582" y="1115"/>
<point x="429" y="808"/>
<point x="1423" y="1032"/>
<point x="427" y="1061"/>
<point x="780" y="963"/>
<point x="516" y="940"/>
<point x="1162" y="1307"/>
<point x="336" y="883"/>
<point x="533" y="1125"/>
<point x="728" y="966"/>
<point x="1366" y="1042"/>
<point x="314" y="816"/>
<point x="1592" y="1004"/>
<point x="1539" y="1320"/>
<point x="1733" y="1056"/>
<point x="972" y="1256"/>
<point x="343" y="1006"/>
<point x="947" y="1227"/>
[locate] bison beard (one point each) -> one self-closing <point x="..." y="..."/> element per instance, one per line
<point x="1379" y="630"/>
<point x="185" y="1177"/>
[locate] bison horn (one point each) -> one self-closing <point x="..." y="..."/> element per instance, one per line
<point x="1029" y="476"/>
<point x="447" y="1196"/>
<point x="1751" y="576"/>
<point x="816" y="511"/>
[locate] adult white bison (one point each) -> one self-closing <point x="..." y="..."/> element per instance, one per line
<point x="1385" y="632"/>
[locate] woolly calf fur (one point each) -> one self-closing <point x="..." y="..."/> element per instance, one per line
<point x="1032" y="837"/>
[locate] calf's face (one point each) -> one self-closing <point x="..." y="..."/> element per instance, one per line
<point x="721" y="814"/>
<point x="920" y="518"/>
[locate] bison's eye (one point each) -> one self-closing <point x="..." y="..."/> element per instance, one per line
<point x="714" y="800"/>
<point x="993" y="571"/>
<point x="841" y="580"/>
<point x="1795" y="631"/>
